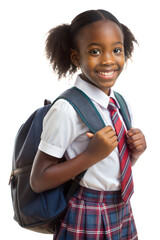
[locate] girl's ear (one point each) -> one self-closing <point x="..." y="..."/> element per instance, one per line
<point x="75" y="57"/>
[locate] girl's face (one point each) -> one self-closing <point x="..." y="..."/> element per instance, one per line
<point x="100" y="53"/>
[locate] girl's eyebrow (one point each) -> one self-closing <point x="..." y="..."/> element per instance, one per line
<point x="98" y="44"/>
<point x="116" y="43"/>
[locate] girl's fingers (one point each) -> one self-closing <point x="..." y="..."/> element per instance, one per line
<point x="134" y="138"/>
<point x="115" y="139"/>
<point x="135" y="144"/>
<point x="105" y="133"/>
<point x="89" y="135"/>
<point x="132" y="132"/>
<point x="106" y="130"/>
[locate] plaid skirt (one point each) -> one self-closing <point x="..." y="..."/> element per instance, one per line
<point x="97" y="215"/>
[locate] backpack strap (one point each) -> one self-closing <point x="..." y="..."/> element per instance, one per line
<point x="84" y="107"/>
<point x="123" y="109"/>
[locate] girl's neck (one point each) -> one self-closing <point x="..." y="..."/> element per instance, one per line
<point x="106" y="91"/>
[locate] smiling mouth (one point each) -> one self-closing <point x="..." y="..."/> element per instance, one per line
<point x="108" y="74"/>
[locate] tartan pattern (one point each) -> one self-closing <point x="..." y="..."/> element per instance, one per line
<point x="97" y="215"/>
<point x="126" y="172"/>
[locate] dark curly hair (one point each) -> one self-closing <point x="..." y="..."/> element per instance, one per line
<point x="62" y="38"/>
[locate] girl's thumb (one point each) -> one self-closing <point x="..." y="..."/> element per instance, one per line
<point x="89" y="135"/>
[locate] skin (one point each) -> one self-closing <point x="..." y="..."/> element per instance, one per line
<point x="100" y="50"/>
<point x="100" y="55"/>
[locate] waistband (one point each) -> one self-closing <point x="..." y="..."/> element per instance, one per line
<point x="92" y="195"/>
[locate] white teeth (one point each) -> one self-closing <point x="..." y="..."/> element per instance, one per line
<point x="106" y="73"/>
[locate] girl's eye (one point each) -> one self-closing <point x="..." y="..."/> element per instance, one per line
<point x="94" y="51"/>
<point x="117" y="50"/>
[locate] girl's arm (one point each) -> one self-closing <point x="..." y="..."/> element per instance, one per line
<point x="47" y="173"/>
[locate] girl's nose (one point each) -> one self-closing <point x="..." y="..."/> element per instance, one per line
<point x="107" y="59"/>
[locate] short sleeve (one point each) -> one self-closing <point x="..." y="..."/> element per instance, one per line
<point x="59" y="129"/>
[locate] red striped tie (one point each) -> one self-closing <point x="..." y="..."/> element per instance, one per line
<point x="125" y="164"/>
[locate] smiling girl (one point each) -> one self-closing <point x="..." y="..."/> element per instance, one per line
<point x="98" y="44"/>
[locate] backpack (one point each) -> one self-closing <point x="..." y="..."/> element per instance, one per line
<point x="41" y="212"/>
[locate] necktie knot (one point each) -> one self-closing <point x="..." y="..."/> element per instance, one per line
<point x="112" y="105"/>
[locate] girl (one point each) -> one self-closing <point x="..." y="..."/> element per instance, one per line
<point x="99" y="45"/>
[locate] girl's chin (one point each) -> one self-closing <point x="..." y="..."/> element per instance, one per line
<point x="102" y="82"/>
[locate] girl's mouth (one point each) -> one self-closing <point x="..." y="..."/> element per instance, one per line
<point x="107" y="75"/>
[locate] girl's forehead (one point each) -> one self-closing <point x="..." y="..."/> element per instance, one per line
<point x="100" y="31"/>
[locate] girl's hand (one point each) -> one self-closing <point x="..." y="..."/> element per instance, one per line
<point x="102" y="143"/>
<point x="136" y="142"/>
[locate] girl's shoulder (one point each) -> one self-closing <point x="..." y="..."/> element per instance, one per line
<point x="62" y="111"/>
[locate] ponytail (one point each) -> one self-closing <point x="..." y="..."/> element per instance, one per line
<point x="129" y="40"/>
<point x="58" y="45"/>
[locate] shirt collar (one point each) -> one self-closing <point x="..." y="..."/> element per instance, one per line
<point x="95" y="93"/>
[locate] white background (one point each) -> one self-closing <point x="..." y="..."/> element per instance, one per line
<point x="27" y="79"/>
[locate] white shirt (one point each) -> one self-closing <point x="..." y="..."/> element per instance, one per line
<point x="65" y="133"/>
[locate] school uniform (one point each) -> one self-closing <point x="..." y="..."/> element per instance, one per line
<point x="96" y="210"/>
